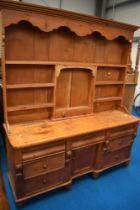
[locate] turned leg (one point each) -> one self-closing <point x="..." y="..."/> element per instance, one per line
<point x="20" y="204"/>
<point x="95" y="175"/>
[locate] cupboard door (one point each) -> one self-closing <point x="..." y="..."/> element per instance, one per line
<point x="83" y="160"/>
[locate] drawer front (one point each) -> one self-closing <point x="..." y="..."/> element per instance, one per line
<point x="119" y="143"/>
<point x="109" y="74"/>
<point x="44" y="165"/>
<point x="112" y="158"/>
<point x="44" y="182"/>
<point x="88" y="139"/>
<point x="122" y="131"/>
<point x="30" y="153"/>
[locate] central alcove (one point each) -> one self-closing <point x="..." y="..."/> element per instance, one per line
<point x="74" y="91"/>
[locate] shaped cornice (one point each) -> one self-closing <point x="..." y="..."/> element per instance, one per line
<point x="48" y="19"/>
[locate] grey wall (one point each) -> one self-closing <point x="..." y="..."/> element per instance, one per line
<point x="128" y="13"/>
<point x="51" y="3"/>
<point x="82" y="6"/>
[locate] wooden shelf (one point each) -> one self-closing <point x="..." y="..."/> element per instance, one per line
<point x="28" y="107"/>
<point x="109" y="83"/>
<point x="108" y="99"/>
<point x="27" y="62"/>
<point x="112" y="65"/>
<point x="35" y="85"/>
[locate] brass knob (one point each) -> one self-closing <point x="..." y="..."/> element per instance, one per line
<point x="45" y="166"/>
<point x="63" y="114"/>
<point x="105" y="149"/>
<point x="68" y="153"/>
<point x="44" y="181"/>
<point x="107" y="142"/>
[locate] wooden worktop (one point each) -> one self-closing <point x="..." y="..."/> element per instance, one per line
<point x="27" y="134"/>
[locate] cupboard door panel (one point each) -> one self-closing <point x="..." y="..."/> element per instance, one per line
<point x="63" y="89"/>
<point x="83" y="159"/>
<point x="73" y="87"/>
<point x="80" y="86"/>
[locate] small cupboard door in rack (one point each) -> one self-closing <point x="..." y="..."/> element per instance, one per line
<point x="74" y="90"/>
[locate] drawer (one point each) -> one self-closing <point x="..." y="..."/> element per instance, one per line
<point x="121" y="142"/>
<point x="44" y="182"/>
<point x="88" y="139"/>
<point x="30" y="153"/>
<point x="112" y="158"/>
<point x="109" y="74"/>
<point x="122" y="131"/>
<point x="44" y="165"/>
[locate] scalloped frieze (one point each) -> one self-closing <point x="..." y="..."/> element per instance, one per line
<point x="48" y="23"/>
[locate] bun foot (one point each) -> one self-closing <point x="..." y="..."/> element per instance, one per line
<point x="95" y="175"/>
<point x="127" y="163"/>
<point x="68" y="187"/>
<point x="19" y="204"/>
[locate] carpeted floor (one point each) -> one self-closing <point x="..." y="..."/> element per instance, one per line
<point x="3" y="200"/>
<point x="116" y="189"/>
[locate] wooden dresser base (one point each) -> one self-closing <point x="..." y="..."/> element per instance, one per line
<point x="62" y="96"/>
<point x="41" y="167"/>
<point x="67" y="185"/>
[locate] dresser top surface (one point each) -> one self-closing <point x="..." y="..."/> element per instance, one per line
<point x="30" y="134"/>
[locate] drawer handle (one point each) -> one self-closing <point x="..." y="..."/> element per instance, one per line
<point x="105" y="149"/>
<point x="63" y="115"/>
<point x="107" y="142"/>
<point x="44" y="181"/>
<point x="44" y="166"/>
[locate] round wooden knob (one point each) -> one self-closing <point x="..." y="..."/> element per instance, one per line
<point x="64" y="114"/>
<point x="108" y="73"/>
<point x="44" y="181"/>
<point x="107" y="142"/>
<point x="105" y="149"/>
<point x="44" y="165"/>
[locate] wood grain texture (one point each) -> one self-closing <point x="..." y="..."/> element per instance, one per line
<point x="48" y="19"/>
<point x="29" y="134"/>
<point x="63" y="85"/>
